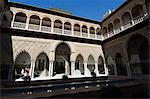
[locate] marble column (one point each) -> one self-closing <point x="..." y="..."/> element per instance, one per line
<point x="88" y="30"/>
<point x="96" y="68"/>
<point x="86" y="71"/>
<point x="128" y="69"/>
<point x="72" y="68"/>
<point x="115" y="69"/>
<point x="51" y="68"/>
<point x="13" y="20"/>
<point x="63" y="27"/>
<point x="106" y="69"/>
<point x="31" y="73"/>
<point x="72" y="29"/>
<point x="27" y="22"/>
<point x="52" y="26"/>
<point x="40" y="24"/>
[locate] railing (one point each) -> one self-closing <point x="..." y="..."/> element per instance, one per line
<point x="117" y="30"/>
<point x="57" y="30"/>
<point x="77" y="33"/>
<point x="92" y="35"/>
<point x="138" y="19"/>
<point x="84" y="34"/>
<point x="19" y="25"/>
<point x="105" y="36"/>
<point x="126" y="25"/>
<point x="67" y="32"/>
<point x="111" y="33"/>
<point x="46" y="28"/>
<point x="99" y="37"/>
<point x="33" y="27"/>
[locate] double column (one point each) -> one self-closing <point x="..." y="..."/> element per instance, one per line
<point x="31" y="73"/>
<point x="86" y="70"/>
<point x="51" y="65"/>
<point x="96" y="68"/>
<point x="72" y="68"/>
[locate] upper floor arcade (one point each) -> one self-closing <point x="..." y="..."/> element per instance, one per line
<point x="33" y="20"/>
<point x="129" y="14"/>
<point x="132" y="12"/>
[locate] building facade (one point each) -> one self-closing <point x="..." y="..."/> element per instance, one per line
<point x="48" y="44"/>
<point x="127" y="40"/>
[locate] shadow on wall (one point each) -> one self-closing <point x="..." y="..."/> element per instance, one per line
<point x="6" y="52"/>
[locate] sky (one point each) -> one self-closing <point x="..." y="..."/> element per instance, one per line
<point x="90" y="9"/>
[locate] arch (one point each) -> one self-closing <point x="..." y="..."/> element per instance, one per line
<point x="34" y="19"/>
<point x="110" y="27"/>
<point x="79" y="63"/>
<point x="117" y="23"/>
<point x="41" y="65"/>
<point x="101" y="65"/>
<point x="91" y="63"/>
<point x="67" y="26"/>
<point x="105" y="32"/>
<point x="77" y="27"/>
<point x="59" y="43"/>
<point x="126" y="18"/>
<point x="62" y="59"/>
<point x="20" y="17"/>
<point x="92" y="30"/>
<point x="84" y="29"/>
<point x="138" y="53"/>
<point x="9" y="14"/>
<point x="137" y="11"/>
<point x="46" y="22"/>
<point x="4" y="18"/>
<point x="58" y="24"/>
<point x="110" y="65"/>
<point x="98" y="31"/>
<point x="121" y="69"/>
<point x="22" y="61"/>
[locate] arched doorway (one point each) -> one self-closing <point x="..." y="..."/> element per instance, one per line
<point x="79" y="64"/>
<point x="22" y="61"/>
<point x="110" y="65"/>
<point x="101" y="65"/>
<point x="91" y="63"/>
<point x="62" y="59"/>
<point x="121" y="70"/>
<point x="41" y="66"/>
<point x="138" y="52"/>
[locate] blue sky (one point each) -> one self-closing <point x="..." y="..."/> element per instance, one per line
<point x="91" y="9"/>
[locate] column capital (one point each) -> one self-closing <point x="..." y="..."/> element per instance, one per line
<point x="51" y="60"/>
<point x="33" y="60"/>
<point x="96" y="61"/>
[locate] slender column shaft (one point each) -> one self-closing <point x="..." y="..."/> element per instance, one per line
<point x="40" y="24"/>
<point x="63" y="28"/>
<point x="32" y="69"/>
<point x="72" y="68"/>
<point x="95" y="34"/>
<point x="72" y="29"/>
<point x="27" y="22"/>
<point x="13" y="20"/>
<point x="51" y="69"/>
<point x="80" y="31"/>
<point x="96" y="68"/>
<point x="52" y="26"/>
<point x="88" y="32"/>
<point x="85" y="68"/>
<point x="106" y="69"/>
<point x="128" y="70"/>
